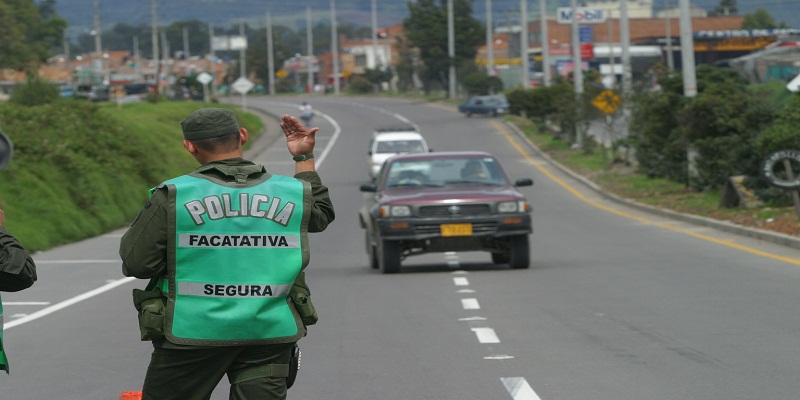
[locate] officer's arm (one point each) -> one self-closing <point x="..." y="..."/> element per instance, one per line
<point x="17" y="270"/>
<point x="322" y="213"/>
<point x="143" y="247"/>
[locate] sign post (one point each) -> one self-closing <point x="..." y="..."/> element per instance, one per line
<point x="243" y="85"/>
<point x="205" y="78"/>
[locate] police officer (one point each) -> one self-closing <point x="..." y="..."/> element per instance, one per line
<point x="226" y="243"/>
<point x="17" y="272"/>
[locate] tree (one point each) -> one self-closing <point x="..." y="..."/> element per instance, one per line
<point x="427" y="29"/>
<point x="28" y="33"/>
<point x="760" y="19"/>
<point x="257" y="57"/>
<point x="725" y="7"/>
<point x="478" y="83"/>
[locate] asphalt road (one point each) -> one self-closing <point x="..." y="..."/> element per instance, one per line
<point x="617" y="304"/>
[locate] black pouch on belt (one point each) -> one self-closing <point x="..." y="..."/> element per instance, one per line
<point x="294" y="366"/>
<point x="151" y="307"/>
<point x="301" y="297"/>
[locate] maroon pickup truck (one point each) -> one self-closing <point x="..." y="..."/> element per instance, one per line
<point x="445" y="201"/>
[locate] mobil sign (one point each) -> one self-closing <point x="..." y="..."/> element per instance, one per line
<point x="584" y="15"/>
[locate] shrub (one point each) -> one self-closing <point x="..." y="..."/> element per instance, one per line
<point x="34" y="93"/>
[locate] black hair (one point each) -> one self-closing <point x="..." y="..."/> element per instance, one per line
<point x="218" y="144"/>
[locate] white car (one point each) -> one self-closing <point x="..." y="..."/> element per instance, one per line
<point x="387" y="142"/>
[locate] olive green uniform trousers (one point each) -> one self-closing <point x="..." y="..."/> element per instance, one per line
<point x="193" y="373"/>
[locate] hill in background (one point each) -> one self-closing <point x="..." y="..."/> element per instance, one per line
<point x="226" y="13"/>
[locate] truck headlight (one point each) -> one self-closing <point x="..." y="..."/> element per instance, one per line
<point x="512" y="206"/>
<point x="395" y="211"/>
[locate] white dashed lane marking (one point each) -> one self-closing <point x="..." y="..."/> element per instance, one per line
<point x="470" y="304"/>
<point x="486" y="335"/>
<point x="461" y="281"/>
<point x="519" y="389"/>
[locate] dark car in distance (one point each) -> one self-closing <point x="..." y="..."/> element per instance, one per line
<point x="445" y="201"/>
<point x="487" y="105"/>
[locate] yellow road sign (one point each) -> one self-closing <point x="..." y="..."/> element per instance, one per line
<point x="607" y="101"/>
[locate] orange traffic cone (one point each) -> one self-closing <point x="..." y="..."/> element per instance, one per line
<point x="130" y="396"/>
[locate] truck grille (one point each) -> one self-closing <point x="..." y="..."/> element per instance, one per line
<point x="454" y="210"/>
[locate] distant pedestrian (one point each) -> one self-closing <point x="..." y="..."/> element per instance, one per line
<point x="306" y="113"/>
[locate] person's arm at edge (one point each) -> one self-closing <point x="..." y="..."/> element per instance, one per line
<point x="17" y="269"/>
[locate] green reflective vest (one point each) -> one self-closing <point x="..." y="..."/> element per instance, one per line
<point x="3" y="359"/>
<point x="234" y="251"/>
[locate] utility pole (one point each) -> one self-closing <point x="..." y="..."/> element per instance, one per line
<point x="242" y="52"/>
<point x="154" y="39"/>
<point x="270" y="55"/>
<point x="687" y="52"/>
<point x="186" y="43"/>
<point x="67" y="61"/>
<point x="374" y="17"/>
<point x="668" y="21"/>
<point x="451" y="50"/>
<point x="625" y="40"/>
<point x="577" y="63"/>
<point x="523" y="43"/>
<point x="489" y="40"/>
<point x="98" y="48"/>
<point x="136" y="57"/>
<point x="165" y="54"/>
<point x="310" y="45"/>
<point x="545" y="42"/>
<point x="210" y="39"/>
<point x="335" y="48"/>
<point x="611" y="54"/>
<point x="689" y="79"/>
<point x="577" y="74"/>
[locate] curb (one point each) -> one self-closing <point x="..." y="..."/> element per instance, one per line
<point x="767" y="236"/>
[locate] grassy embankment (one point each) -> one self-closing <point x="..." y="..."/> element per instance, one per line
<point x="81" y="169"/>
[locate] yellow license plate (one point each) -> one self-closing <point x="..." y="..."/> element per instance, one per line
<point x="456" y="229"/>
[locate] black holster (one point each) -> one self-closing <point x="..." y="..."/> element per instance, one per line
<point x="294" y="366"/>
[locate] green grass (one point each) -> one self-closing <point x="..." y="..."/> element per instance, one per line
<point x="81" y="169"/>
<point x="621" y="180"/>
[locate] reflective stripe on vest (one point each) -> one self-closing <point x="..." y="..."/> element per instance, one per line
<point x="233" y="258"/>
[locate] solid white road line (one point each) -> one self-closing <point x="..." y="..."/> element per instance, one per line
<point x="519" y="389"/>
<point x="26" y="303"/>
<point x="42" y="262"/>
<point x="66" y="303"/>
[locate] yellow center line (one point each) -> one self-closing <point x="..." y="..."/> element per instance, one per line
<point x="513" y="140"/>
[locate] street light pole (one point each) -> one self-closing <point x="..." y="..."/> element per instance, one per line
<point x="523" y="43"/>
<point x="335" y="48"/>
<point x="270" y="55"/>
<point x="310" y="45"/>
<point x="489" y="40"/>
<point x="451" y="50"/>
<point x="545" y="45"/>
